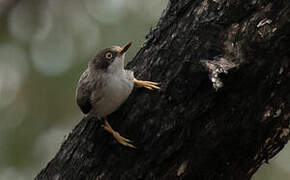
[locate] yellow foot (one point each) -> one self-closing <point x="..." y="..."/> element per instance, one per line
<point x="117" y="136"/>
<point x="146" y="84"/>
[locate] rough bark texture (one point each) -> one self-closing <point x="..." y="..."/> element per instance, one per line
<point x="223" y="109"/>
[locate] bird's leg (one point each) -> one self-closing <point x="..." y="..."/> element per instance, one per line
<point x="117" y="136"/>
<point x="146" y="84"/>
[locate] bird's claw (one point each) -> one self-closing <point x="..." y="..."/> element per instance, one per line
<point x="117" y="136"/>
<point x="147" y="84"/>
<point x="151" y="85"/>
<point x="122" y="140"/>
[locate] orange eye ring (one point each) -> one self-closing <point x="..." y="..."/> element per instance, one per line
<point x="109" y="55"/>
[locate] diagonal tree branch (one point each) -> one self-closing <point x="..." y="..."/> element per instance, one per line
<point x="190" y="130"/>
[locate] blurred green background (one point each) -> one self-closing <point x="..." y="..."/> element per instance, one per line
<point x="44" y="47"/>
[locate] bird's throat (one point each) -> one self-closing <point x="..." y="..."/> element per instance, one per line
<point x="117" y="66"/>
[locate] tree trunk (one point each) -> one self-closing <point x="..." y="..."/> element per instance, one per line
<point x="223" y="109"/>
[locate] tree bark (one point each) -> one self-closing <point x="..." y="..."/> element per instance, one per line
<point x="223" y="109"/>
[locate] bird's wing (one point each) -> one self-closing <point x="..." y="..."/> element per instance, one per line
<point x="83" y="93"/>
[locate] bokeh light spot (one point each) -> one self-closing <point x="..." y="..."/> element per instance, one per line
<point x="106" y="11"/>
<point x="53" y="55"/>
<point x="13" y="69"/>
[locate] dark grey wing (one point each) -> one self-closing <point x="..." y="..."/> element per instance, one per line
<point x="83" y="93"/>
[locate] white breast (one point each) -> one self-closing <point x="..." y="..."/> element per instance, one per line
<point x="117" y="89"/>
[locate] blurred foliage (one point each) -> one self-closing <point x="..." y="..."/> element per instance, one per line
<point x="44" y="47"/>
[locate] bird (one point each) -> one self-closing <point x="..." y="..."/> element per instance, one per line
<point x="105" y="85"/>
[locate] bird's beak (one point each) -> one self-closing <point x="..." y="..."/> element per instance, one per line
<point x="125" y="48"/>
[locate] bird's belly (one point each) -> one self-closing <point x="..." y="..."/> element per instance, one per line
<point x="116" y="91"/>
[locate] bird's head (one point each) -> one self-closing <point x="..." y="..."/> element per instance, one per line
<point x="110" y="59"/>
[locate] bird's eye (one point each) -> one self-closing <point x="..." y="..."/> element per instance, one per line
<point x="109" y="55"/>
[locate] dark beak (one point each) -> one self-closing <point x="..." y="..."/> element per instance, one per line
<point x="125" y="48"/>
